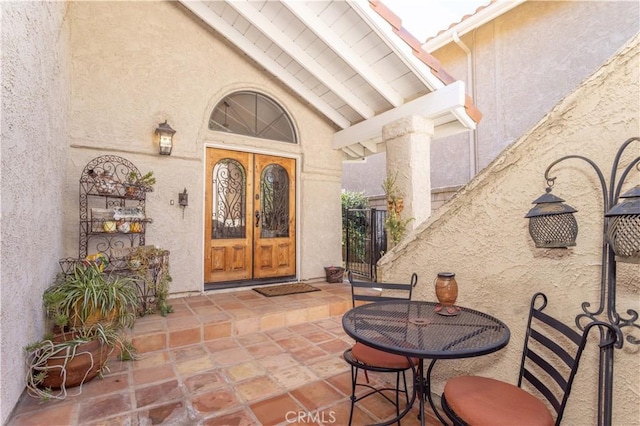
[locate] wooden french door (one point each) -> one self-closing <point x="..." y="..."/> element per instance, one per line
<point x="250" y="220"/>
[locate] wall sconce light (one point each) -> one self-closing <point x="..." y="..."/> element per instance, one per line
<point x="183" y="200"/>
<point x="551" y="222"/>
<point x="165" y="133"/>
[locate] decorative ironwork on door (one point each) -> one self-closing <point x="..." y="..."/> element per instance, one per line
<point x="229" y="195"/>
<point x="250" y="223"/>
<point x="274" y="194"/>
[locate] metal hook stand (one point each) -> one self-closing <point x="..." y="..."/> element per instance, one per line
<point x="548" y="210"/>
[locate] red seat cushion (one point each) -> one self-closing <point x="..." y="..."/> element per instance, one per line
<point x="375" y="357"/>
<point x="485" y="401"/>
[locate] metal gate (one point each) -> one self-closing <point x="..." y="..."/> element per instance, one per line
<point x="365" y="241"/>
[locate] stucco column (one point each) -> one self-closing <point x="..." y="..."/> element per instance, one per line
<point x="408" y="144"/>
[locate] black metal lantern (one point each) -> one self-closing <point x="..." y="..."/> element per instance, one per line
<point x="551" y="222"/>
<point x="623" y="231"/>
<point x="165" y="134"/>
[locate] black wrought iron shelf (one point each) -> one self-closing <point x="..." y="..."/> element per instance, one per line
<point x="104" y="184"/>
<point x="121" y="264"/>
<point x="126" y="266"/>
<point x="112" y="226"/>
<point x="120" y="191"/>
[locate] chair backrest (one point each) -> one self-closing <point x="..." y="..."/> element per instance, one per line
<point x="366" y="292"/>
<point x="551" y="354"/>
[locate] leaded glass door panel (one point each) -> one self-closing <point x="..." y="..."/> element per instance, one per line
<point x="228" y="239"/>
<point x="250" y="216"/>
<point x="274" y="239"/>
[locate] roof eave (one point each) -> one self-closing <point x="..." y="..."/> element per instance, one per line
<point x="419" y="53"/>
<point x="474" y="21"/>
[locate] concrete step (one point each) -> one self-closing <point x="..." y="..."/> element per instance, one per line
<point x="218" y="314"/>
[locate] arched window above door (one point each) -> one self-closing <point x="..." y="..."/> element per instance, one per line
<point x="252" y="114"/>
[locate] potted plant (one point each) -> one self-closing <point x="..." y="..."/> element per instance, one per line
<point x="394" y="224"/>
<point x="150" y="266"/>
<point x="136" y="183"/>
<point x="87" y="311"/>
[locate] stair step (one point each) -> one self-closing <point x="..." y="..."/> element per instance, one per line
<point x="216" y="314"/>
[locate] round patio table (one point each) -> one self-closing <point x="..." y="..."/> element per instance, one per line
<point x="417" y="329"/>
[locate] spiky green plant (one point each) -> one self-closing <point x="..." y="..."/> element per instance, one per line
<point x="88" y="294"/>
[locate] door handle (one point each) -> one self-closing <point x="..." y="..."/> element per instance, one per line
<point x="257" y="218"/>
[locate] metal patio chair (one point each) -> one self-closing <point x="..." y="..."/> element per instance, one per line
<point x="549" y="363"/>
<point x="366" y="358"/>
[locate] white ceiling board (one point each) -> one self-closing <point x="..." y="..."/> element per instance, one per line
<point x="302" y="57"/>
<point x="345" y="52"/>
<point x="339" y="56"/>
<point x="216" y="22"/>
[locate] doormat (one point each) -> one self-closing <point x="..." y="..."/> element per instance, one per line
<point x="284" y="289"/>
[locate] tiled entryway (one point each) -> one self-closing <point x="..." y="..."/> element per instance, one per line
<point x="233" y="358"/>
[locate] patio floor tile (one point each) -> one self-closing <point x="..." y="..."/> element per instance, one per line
<point x="242" y="417"/>
<point x="276" y="410"/>
<point x="226" y="358"/>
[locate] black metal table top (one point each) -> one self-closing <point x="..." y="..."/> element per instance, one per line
<point x="414" y="328"/>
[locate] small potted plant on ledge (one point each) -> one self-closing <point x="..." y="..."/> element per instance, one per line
<point x="87" y="311"/>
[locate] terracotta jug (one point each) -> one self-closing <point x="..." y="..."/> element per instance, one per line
<point x="446" y="291"/>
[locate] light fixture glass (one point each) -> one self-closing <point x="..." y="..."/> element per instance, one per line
<point x="165" y="134"/>
<point x="623" y="230"/>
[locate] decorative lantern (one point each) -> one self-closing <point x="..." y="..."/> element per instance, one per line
<point x="551" y="223"/>
<point x="165" y="133"/>
<point x="623" y="231"/>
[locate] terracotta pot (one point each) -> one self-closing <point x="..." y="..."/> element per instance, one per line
<point x="446" y="289"/>
<point x="89" y="359"/>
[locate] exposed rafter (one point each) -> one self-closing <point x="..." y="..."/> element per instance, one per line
<point x="227" y="30"/>
<point x="422" y="54"/>
<point x="350" y="60"/>
<point x="277" y="37"/>
<point x="345" y="52"/>
<point x="363" y="8"/>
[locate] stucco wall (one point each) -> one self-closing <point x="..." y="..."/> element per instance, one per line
<point x="33" y="149"/>
<point x="481" y="235"/>
<point x="524" y="62"/>
<point x="129" y="77"/>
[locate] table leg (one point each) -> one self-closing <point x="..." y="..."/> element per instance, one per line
<point x="428" y="387"/>
<point x="423" y="388"/>
<point x="423" y="384"/>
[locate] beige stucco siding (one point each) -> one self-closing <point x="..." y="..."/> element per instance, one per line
<point x="522" y="64"/>
<point x="83" y="79"/>
<point x="139" y="63"/>
<point x="35" y="90"/>
<point x="481" y="235"/>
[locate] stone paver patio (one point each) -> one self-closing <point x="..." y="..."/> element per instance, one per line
<point x="226" y="358"/>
